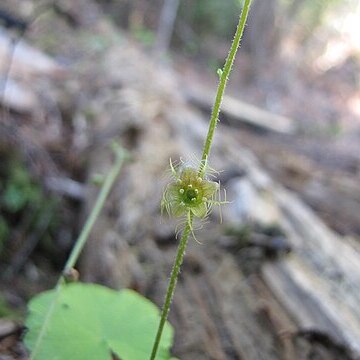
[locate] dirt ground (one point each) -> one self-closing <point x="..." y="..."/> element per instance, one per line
<point x="106" y="85"/>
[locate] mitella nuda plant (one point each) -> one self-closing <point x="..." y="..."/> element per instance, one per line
<point x="191" y="193"/>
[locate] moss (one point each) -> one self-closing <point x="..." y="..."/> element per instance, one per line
<point x="5" y="310"/>
<point x="23" y="201"/>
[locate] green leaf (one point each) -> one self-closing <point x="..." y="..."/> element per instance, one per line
<point x="4" y="232"/>
<point x="14" y="198"/>
<point x="91" y="321"/>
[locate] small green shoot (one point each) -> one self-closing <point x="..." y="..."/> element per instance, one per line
<point x="49" y="311"/>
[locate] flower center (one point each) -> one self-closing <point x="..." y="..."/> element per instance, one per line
<point x="191" y="194"/>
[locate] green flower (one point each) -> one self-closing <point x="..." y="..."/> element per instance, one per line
<point x="189" y="194"/>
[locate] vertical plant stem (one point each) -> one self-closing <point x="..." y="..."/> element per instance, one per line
<point x="81" y="241"/>
<point x="99" y="204"/>
<point x="224" y="77"/>
<point x="171" y="287"/>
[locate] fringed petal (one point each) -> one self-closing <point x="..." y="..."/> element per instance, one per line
<point x="209" y="188"/>
<point x="200" y="210"/>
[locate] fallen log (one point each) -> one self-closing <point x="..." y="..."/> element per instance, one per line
<point x="318" y="283"/>
<point x="332" y="191"/>
<point x="24" y="60"/>
<point x="238" y="113"/>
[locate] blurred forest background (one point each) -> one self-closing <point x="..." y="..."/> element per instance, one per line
<point x="75" y="74"/>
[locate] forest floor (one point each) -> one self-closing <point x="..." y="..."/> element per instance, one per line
<point x="321" y="162"/>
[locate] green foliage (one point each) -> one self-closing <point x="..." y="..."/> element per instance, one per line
<point x="22" y="200"/>
<point x="5" y="311"/>
<point x="19" y="189"/>
<point x="49" y="309"/>
<point x="91" y="322"/>
<point x="313" y="12"/>
<point x="97" y="179"/>
<point x="308" y="15"/>
<point x="144" y="35"/>
<point x="4" y="232"/>
<point x="242" y="233"/>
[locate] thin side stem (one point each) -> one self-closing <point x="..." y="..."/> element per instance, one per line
<point x="224" y="77"/>
<point x="171" y="287"/>
<point x="99" y="204"/>
<point x="81" y="241"/>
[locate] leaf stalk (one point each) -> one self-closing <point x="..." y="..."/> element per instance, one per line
<point x="121" y="155"/>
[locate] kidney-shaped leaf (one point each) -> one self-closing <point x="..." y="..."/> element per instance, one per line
<point x="93" y="322"/>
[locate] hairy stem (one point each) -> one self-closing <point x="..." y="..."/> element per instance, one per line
<point x="80" y="242"/>
<point x="224" y="77"/>
<point x="171" y="287"/>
